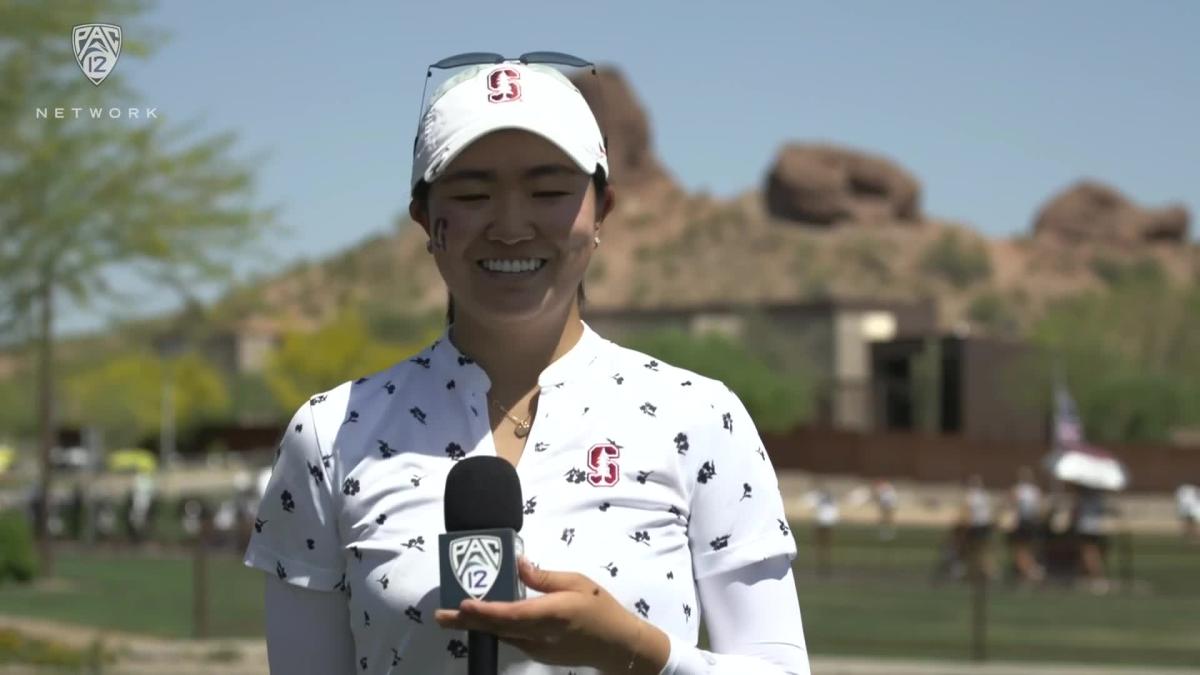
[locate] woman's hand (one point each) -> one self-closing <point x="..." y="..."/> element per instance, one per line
<point x="575" y="623"/>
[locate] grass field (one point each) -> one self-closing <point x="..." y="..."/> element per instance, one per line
<point x="878" y="602"/>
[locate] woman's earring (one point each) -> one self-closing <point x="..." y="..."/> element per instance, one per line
<point x="596" y="241"/>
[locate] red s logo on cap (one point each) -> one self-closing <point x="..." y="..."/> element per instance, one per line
<point x="504" y="85"/>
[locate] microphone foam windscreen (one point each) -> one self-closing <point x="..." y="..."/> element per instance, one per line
<point x="482" y="493"/>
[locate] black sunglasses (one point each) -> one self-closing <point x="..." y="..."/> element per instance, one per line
<point x="484" y="58"/>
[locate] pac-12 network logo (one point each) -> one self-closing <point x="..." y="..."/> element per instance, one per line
<point x="476" y="563"/>
<point x="97" y="48"/>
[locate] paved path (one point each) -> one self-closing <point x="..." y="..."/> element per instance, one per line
<point x="143" y="655"/>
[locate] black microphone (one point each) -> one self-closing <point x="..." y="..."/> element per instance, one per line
<point x="478" y="553"/>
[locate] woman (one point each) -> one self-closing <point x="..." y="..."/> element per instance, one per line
<point x="1025" y="501"/>
<point x="648" y="492"/>
<point x="976" y="515"/>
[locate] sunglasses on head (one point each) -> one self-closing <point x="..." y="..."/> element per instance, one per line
<point x="485" y="58"/>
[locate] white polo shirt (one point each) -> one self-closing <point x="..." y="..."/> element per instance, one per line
<point x="642" y="476"/>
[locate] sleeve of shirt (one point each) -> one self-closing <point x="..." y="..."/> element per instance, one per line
<point x="754" y="625"/>
<point x="295" y="534"/>
<point x="736" y="511"/>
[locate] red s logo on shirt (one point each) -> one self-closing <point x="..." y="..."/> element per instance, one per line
<point x="603" y="470"/>
<point x="504" y="85"/>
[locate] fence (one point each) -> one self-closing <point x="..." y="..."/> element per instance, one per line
<point x="929" y="457"/>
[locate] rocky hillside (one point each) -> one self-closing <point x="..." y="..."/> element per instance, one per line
<point x="827" y="221"/>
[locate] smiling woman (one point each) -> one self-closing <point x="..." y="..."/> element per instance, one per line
<point x="648" y="494"/>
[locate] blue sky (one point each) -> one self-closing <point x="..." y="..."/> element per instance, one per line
<point x="994" y="106"/>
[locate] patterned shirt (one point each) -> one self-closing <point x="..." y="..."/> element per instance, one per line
<point x="642" y="476"/>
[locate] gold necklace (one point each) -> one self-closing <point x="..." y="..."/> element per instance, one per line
<point x="521" y="430"/>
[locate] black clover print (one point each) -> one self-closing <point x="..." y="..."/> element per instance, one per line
<point x="287" y="503"/>
<point x="391" y="388"/>
<point x="612" y="569"/>
<point x="383" y="581"/>
<point x="361" y="380"/>
<point x="568" y="535"/>
<point x="783" y="527"/>
<point x="417" y="414"/>
<point x="455" y="452"/>
<point x="310" y="544"/>
<point x="456" y="648"/>
<point x="687" y="612"/>
<point x="574" y="475"/>
<point x="642" y="608"/>
<point x="541" y="446"/>
<point x="363" y="662"/>
<point x="720" y="542"/>
<point x="605" y="506"/>
<point x="386" y="451"/>
<point x="708" y="471"/>
<point x="746" y="490"/>
<point x="415" y="542"/>
<point x="350" y="487"/>
<point x="317" y="399"/>
<point x="653" y="365"/>
<point x="618" y="379"/>
<point x="681" y="443"/>
<point x="464" y="360"/>
<point x="642" y="476"/>
<point x="258" y="524"/>
<point x="325" y="459"/>
<point x="649" y="408"/>
<point x="299" y="428"/>
<point x="727" y="422"/>
<point x="367" y="619"/>
<point x="280" y="570"/>
<point x="396" y="657"/>
<point x="413" y="614"/>
<point x="641" y="537"/>
<point x="530" y="505"/>
<point x="357" y="553"/>
<point x="381" y="519"/>
<point x="416" y="480"/>
<point x="423" y="362"/>
<point x="341" y="584"/>
<point x="315" y="471"/>
<point x="450" y="385"/>
<point x="685" y="383"/>
<point x="352" y="418"/>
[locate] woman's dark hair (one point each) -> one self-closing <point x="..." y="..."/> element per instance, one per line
<point x="420" y="194"/>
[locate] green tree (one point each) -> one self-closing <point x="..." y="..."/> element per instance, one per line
<point x="79" y="197"/>
<point x="124" y="396"/>
<point x="307" y="363"/>
<point x="1131" y="357"/>
<point x="776" y="401"/>
<point x="960" y="260"/>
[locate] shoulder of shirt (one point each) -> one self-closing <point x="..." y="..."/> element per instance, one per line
<point x="671" y="378"/>
<point x="329" y="407"/>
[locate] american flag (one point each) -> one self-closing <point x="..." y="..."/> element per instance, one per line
<point x="1068" y="430"/>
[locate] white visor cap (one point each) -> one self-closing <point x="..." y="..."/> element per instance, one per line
<point x="483" y="99"/>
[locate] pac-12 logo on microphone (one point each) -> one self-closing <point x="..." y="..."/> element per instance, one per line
<point x="97" y="48"/>
<point x="476" y="563"/>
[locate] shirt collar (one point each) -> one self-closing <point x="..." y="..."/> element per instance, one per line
<point x="447" y="359"/>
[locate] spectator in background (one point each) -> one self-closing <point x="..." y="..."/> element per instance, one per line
<point x="1025" y="502"/>
<point x="1088" y="526"/>
<point x="826" y="515"/>
<point x="886" y="499"/>
<point x="1187" y="502"/>
<point x="976" y="514"/>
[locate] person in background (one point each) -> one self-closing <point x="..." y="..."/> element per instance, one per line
<point x="826" y="516"/>
<point x="886" y="500"/>
<point x="1187" y="503"/>
<point x="1025" y="502"/>
<point x="1088" y="526"/>
<point x="976" y="514"/>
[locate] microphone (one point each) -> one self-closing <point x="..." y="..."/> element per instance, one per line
<point x="478" y="553"/>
